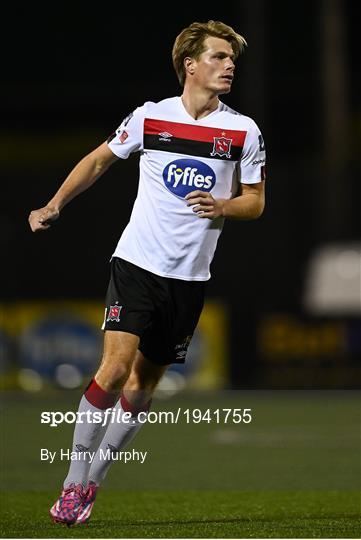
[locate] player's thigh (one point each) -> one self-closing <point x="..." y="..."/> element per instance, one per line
<point x="168" y="340"/>
<point x="118" y="344"/>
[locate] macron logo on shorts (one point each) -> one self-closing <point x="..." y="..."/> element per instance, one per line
<point x="113" y="313"/>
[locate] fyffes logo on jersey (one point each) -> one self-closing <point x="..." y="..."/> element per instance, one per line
<point x="185" y="175"/>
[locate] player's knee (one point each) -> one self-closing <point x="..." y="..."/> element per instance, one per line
<point x="138" y="383"/>
<point x="112" y="373"/>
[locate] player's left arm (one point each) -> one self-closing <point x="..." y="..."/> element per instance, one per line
<point x="249" y="205"/>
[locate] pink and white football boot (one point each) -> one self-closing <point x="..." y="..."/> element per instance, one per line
<point x="88" y="503"/>
<point x="66" y="508"/>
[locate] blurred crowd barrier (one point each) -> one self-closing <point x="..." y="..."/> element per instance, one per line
<point x="303" y="351"/>
<point x="319" y="346"/>
<point x="59" y="344"/>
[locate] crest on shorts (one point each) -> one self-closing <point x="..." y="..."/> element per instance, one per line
<point x="221" y="147"/>
<point x="113" y="313"/>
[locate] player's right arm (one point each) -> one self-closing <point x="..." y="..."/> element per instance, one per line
<point x="84" y="174"/>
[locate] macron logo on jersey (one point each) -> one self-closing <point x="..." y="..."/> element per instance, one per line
<point x="185" y="175"/>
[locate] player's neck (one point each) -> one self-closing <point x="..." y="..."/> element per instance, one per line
<point x="199" y="103"/>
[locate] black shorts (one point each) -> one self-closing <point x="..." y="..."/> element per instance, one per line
<point x="163" y="312"/>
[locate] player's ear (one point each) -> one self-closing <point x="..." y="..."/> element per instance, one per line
<point x="189" y="65"/>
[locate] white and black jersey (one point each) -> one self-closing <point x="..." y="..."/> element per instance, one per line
<point x="179" y="154"/>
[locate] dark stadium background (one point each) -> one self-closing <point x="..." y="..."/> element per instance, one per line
<point x="69" y="80"/>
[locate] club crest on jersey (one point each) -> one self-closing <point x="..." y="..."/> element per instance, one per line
<point x="221" y="147"/>
<point x="114" y="312"/>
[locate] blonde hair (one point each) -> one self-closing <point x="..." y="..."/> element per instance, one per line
<point x="190" y="42"/>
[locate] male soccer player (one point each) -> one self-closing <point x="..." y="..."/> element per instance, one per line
<point x="200" y="162"/>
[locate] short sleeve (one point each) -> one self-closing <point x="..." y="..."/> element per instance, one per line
<point x="253" y="160"/>
<point x="128" y="137"/>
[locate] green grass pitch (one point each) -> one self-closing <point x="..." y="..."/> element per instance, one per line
<point x="294" y="471"/>
<point x="190" y="514"/>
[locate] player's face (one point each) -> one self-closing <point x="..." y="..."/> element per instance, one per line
<point x="214" y="68"/>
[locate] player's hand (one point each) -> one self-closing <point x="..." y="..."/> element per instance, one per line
<point x="40" y="220"/>
<point x="204" y="204"/>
